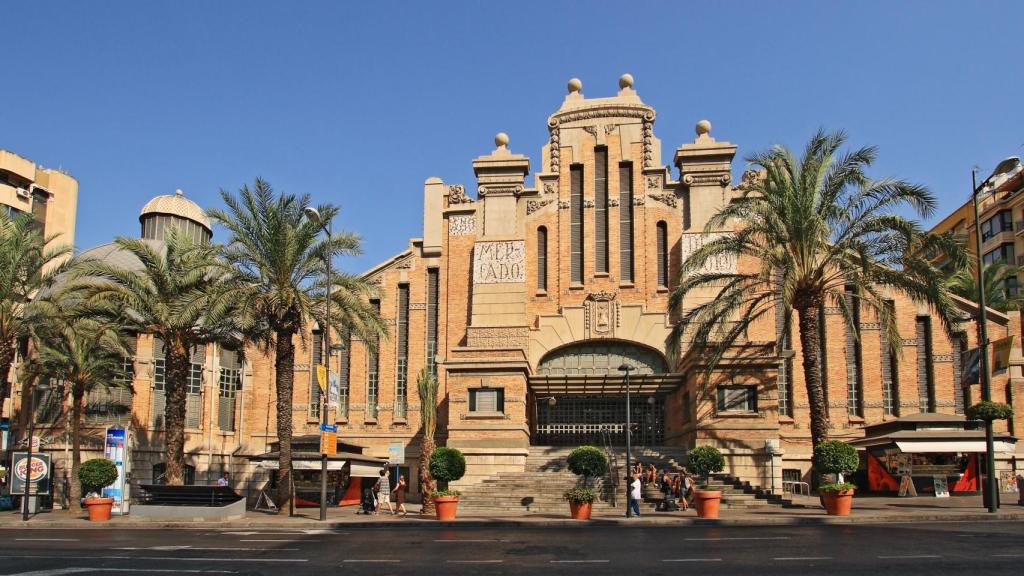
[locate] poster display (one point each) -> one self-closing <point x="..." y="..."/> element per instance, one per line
<point x="38" y="474"/>
<point x="941" y="486"/>
<point x="115" y="450"/>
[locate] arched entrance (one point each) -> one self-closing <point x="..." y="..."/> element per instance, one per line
<point x="580" y="394"/>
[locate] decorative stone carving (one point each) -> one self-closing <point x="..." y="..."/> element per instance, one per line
<point x="638" y="200"/>
<point x="461" y="224"/>
<point x="497" y="337"/>
<point x="497" y="189"/>
<point x="404" y="264"/>
<point x="653" y="183"/>
<point x="592" y="130"/>
<point x="563" y="204"/>
<point x="833" y="311"/>
<point x="534" y="205"/>
<point x="648" y="139"/>
<point x="588" y="203"/>
<point x="613" y="202"/>
<point x="619" y="110"/>
<point x="691" y="242"/>
<point x="550" y="188"/>
<point x="609" y="128"/>
<point x="457" y="195"/>
<point x="601" y="313"/>
<point x="667" y="199"/>
<point x="749" y="178"/>
<point x="499" y="262"/>
<point x="870" y="326"/>
<point x="942" y="358"/>
<point x="709" y="178"/>
<point x="417" y="306"/>
<point x="555" y="148"/>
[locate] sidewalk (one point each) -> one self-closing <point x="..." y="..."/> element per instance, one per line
<point x="866" y="510"/>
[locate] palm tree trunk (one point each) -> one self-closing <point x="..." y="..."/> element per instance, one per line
<point x="284" y="364"/>
<point x="427" y="484"/>
<point x="6" y="360"/>
<point x="77" y="401"/>
<point x="178" y="366"/>
<point x="810" y="345"/>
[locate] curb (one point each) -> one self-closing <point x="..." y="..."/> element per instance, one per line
<point x="526" y="522"/>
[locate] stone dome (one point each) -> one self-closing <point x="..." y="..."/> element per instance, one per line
<point x="177" y="205"/>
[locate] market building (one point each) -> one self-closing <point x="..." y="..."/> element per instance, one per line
<point x="524" y="293"/>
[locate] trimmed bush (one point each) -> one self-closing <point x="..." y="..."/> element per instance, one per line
<point x="704" y="461"/>
<point x="835" y="457"/>
<point x="988" y="411"/>
<point x="588" y="461"/>
<point x="447" y="464"/>
<point x="580" y="495"/>
<point x="96" y="474"/>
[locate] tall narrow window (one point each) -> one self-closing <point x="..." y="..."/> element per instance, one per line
<point x="344" y="372"/>
<point x="890" y="374"/>
<point x="402" y="365"/>
<point x="317" y="357"/>
<point x="786" y="366"/>
<point x="854" y="370"/>
<point x="193" y="387"/>
<point x="576" y="224"/>
<point x="626" y="221"/>
<point x="433" y="289"/>
<point x="959" y="345"/>
<point x="925" y="371"/>
<point x="662" y="255"/>
<point x="372" y="374"/>
<point x="542" y="258"/>
<point x="229" y="382"/>
<point x="601" y="210"/>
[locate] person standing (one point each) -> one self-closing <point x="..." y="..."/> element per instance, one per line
<point x="383" y="490"/>
<point x="399" y="491"/>
<point x="635" y="495"/>
<point x="223" y="481"/>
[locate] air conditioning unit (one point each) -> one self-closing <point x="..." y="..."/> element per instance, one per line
<point x="23" y="193"/>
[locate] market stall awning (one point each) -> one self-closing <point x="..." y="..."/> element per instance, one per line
<point x="303" y="464"/>
<point x="644" y="384"/>
<point x="364" y="471"/>
<point x="951" y="446"/>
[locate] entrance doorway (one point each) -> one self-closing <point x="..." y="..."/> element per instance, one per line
<point x="577" y="420"/>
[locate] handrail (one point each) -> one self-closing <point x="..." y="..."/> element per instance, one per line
<point x="613" y="464"/>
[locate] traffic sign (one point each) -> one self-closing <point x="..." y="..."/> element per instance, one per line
<point x="329" y="428"/>
<point x="328" y="443"/>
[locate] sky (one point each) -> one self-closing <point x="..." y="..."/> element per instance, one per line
<point x="357" y="103"/>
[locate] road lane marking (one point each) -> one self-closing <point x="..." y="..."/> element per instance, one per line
<point x="474" y="541"/>
<point x="474" y="561"/>
<point x="47" y="539"/>
<point x="803" y="558"/>
<point x="55" y="572"/>
<point x="692" y="560"/>
<point x="910" y="556"/>
<point x="179" y="559"/>
<point x="1007" y="555"/>
<point x="210" y="549"/>
<point x="277" y="540"/>
<point x="739" y="538"/>
<point x="370" y="561"/>
<point x="578" y="561"/>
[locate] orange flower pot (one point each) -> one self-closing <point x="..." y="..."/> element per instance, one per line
<point x="581" y="511"/>
<point x="99" y="508"/>
<point x="707" y="502"/>
<point x="446" y="507"/>
<point x="837" y="503"/>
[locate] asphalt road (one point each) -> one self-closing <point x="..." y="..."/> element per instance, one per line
<point x="904" y="549"/>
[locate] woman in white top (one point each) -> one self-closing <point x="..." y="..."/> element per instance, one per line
<point x="635" y="495"/>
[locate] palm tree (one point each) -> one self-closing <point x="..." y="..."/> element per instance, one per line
<point x="427" y="383"/>
<point x="85" y="354"/>
<point x="815" y="231"/>
<point x="963" y="283"/>
<point x="27" y="262"/>
<point x="179" y="293"/>
<point x="279" y="262"/>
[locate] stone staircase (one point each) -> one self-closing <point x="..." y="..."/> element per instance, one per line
<point x="539" y="488"/>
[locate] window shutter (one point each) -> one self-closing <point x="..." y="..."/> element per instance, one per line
<point x="576" y="224"/>
<point x="542" y="258"/>
<point x="662" y="254"/>
<point x="601" y="210"/>
<point x="626" y="221"/>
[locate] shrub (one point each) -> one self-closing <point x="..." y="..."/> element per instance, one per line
<point x="837" y="487"/>
<point x="835" y="457"/>
<point x="96" y="474"/>
<point x="704" y="461"/>
<point x="580" y="495"/>
<point x="588" y="461"/>
<point x="986" y="410"/>
<point x="447" y="464"/>
<point x="444" y="493"/>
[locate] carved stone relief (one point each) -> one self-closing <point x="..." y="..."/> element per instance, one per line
<point x="534" y="205"/>
<point x="563" y="204"/>
<point x="457" y="194"/>
<point x="499" y="262"/>
<point x="709" y="178"/>
<point x="691" y="242"/>
<point x="613" y="202"/>
<point x="601" y="312"/>
<point x="588" y="203"/>
<point x="550" y="188"/>
<point x="555" y="149"/>
<point x="667" y="199"/>
<point x="461" y="224"/>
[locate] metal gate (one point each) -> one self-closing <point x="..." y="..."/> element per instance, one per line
<point x="577" y="420"/>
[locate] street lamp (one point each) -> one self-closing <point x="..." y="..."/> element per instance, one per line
<point x="627" y="368"/>
<point x="41" y="387"/>
<point x="990" y="497"/>
<point x="313" y="215"/>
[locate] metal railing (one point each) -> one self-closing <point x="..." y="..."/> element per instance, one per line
<point x="613" y="464"/>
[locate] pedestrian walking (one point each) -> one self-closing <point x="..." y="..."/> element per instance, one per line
<point x="382" y="490"/>
<point x="635" y="495"/>
<point x="687" y="489"/>
<point x="399" y="491"/>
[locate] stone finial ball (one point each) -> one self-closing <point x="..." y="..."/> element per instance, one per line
<point x="501" y="139"/>
<point x="575" y="85"/>
<point x="703" y="127"/>
<point x="626" y="81"/>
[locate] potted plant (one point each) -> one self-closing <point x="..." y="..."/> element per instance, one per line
<point x="835" y="457"/>
<point x="446" y="465"/>
<point x="704" y="461"/>
<point x="585" y="462"/>
<point x="95" y="475"/>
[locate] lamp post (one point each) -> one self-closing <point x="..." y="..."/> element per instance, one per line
<point x="41" y="387"/>
<point x="627" y="368"/>
<point x="990" y="496"/>
<point x="314" y="216"/>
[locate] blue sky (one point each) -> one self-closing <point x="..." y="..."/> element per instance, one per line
<point x="358" y="103"/>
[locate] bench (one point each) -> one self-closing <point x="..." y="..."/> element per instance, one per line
<point x="164" y="495"/>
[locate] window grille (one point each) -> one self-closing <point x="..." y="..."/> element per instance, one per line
<point x="890" y="374"/>
<point x="925" y="370"/>
<point x="372" y="373"/>
<point x="487" y="400"/>
<point x="854" y="370"/>
<point x="576" y="224"/>
<point x="737" y="398"/>
<point x="601" y="210"/>
<point x="433" y="289"/>
<point x="542" y="258"/>
<point x="626" y="221"/>
<point x="402" y="365"/>
<point x="662" y="254"/>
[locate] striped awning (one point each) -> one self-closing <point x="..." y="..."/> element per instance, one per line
<point x="609" y="384"/>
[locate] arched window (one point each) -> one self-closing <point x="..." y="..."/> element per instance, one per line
<point x="542" y="258"/>
<point x="601" y="359"/>
<point x="662" y="255"/>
